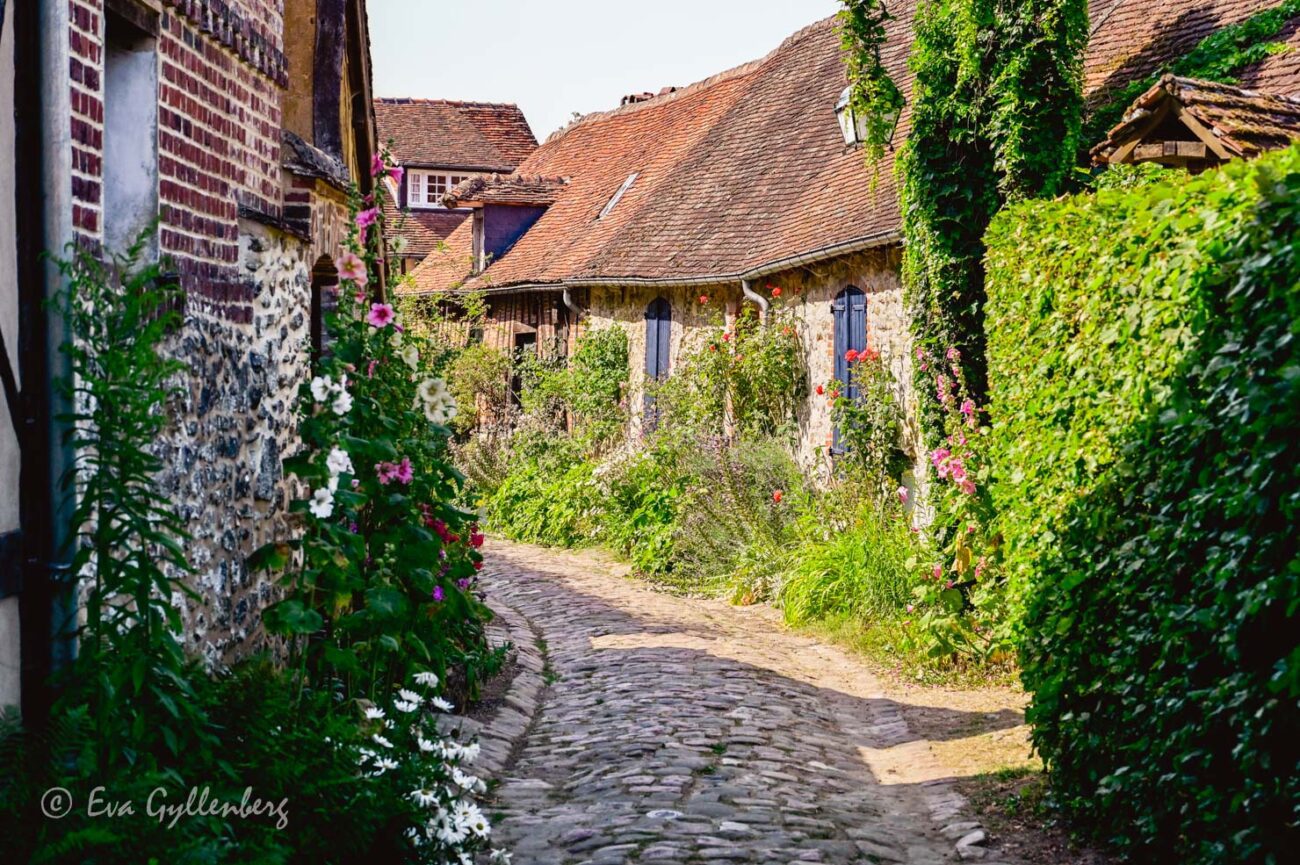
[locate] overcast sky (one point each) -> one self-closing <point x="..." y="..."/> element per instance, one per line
<point x="555" y="57"/>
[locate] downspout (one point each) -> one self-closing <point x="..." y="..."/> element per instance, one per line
<point x="56" y="193"/>
<point x="757" y="298"/>
<point x="569" y="303"/>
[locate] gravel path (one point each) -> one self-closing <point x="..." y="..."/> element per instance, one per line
<point x="676" y="730"/>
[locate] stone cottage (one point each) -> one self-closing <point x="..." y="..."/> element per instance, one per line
<point x="740" y="184"/>
<point x="440" y="143"/>
<point x="237" y="125"/>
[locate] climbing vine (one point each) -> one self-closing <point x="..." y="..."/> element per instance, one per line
<point x="1218" y="57"/>
<point x="873" y="95"/>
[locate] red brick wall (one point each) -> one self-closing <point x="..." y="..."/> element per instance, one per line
<point x="221" y="70"/>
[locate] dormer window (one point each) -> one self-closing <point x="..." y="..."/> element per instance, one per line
<point x="424" y="189"/>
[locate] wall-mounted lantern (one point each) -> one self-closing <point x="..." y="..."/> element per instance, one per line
<point x="853" y="127"/>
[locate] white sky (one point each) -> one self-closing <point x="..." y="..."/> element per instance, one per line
<point x="555" y="57"/>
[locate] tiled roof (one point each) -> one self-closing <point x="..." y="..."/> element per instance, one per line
<point x="423" y="229"/>
<point x="472" y="136"/>
<point x="504" y="189"/>
<point x="747" y="171"/>
<point x="448" y="264"/>
<point x="1132" y="39"/>
<point x="1244" y="122"/>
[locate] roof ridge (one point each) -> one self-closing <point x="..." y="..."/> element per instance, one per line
<point x="455" y="103"/>
<point x="694" y="87"/>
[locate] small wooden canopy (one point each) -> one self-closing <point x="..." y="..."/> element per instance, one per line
<point x="1194" y="124"/>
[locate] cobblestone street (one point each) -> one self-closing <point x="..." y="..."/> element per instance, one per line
<point x="681" y="730"/>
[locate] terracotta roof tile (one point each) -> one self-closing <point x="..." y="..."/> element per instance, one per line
<point x="447" y="265"/>
<point x="1244" y="121"/>
<point x="423" y="229"/>
<point x="505" y="189"/>
<point x="748" y="169"/>
<point x="478" y="136"/>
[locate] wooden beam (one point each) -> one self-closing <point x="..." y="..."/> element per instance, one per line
<point x="1123" y="152"/>
<point x="1202" y="132"/>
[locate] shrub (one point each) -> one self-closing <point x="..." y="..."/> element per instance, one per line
<point x="550" y="495"/>
<point x="479" y="379"/>
<point x="1145" y="443"/>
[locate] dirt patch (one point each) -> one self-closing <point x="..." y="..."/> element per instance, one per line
<point x="1011" y="807"/>
<point x="494" y="692"/>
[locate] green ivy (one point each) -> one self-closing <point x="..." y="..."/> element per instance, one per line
<point x="1144" y="452"/>
<point x="1218" y="57"/>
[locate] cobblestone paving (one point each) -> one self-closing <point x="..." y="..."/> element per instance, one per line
<point x="685" y="731"/>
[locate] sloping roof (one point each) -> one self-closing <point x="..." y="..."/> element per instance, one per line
<point x="504" y="189"/>
<point x="423" y="228"/>
<point x="471" y="136"/>
<point x="1133" y="39"/>
<point x="1243" y="122"/>
<point x="746" y="172"/>
<point x="447" y="265"/>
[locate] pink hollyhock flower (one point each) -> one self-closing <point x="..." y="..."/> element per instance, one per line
<point x="438" y="593"/>
<point x="939" y="455"/>
<point x="380" y="315"/>
<point x="370" y="370"/>
<point x="968" y="487"/>
<point x="938" y="572"/>
<point x="366" y="218"/>
<point x="403" y="472"/>
<point x="376" y="165"/>
<point x="359" y="297"/>
<point x="952" y="354"/>
<point x="902" y="494"/>
<point x="352" y="266"/>
<point x="957" y="471"/>
<point x="397" y="172"/>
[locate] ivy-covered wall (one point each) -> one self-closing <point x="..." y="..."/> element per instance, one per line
<point x="1145" y="406"/>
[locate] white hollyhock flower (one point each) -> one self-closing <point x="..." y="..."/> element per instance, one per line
<point x="440" y="703"/>
<point x="396" y="339"/>
<point x="333" y="483"/>
<point x="424" y="798"/>
<point x="408" y="696"/>
<point x="411" y="356"/>
<point x="399" y="244"/>
<point x="338" y="462"/>
<point x="374" y="713"/>
<point x="320" y="388"/>
<point x="429" y="680"/>
<point x="342" y="403"/>
<point x="322" y="503"/>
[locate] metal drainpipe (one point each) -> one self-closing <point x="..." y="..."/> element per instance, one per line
<point x="757" y="298"/>
<point x="569" y="303"/>
<point x="56" y="190"/>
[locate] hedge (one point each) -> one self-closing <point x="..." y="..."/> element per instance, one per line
<point x="1145" y="373"/>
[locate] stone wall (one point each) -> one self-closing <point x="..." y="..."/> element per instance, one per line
<point x="807" y="293"/>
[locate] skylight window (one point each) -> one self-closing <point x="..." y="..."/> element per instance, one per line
<point x="627" y="184"/>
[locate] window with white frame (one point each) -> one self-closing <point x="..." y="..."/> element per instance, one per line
<point x="426" y="188"/>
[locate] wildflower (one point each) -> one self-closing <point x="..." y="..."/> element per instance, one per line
<point x="322" y="503"/>
<point x="776" y="292"/>
<point x="370" y="368"/>
<point x="938" y="572"/>
<point x="342" y="403"/>
<point x="338" y="462"/>
<point x="404" y="474"/>
<point x="429" y="680"/>
<point x="967" y="486"/>
<point x="424" y="798"/>
<point x="366" y="218"/>
<point x="380" y="315"/>
<point x="939" y="455"/>
<point x="438" y="594"/>
<point x="820" y="390"/>
<point x="902" y="494"/>
<point x="726" y="337"/>
<point x="952" y="354"/>
<point x="835" y="394"/>
<point x="851" y="355"/>
<point x="352" y="266"/>
<point x="476" y="539"/>
<point x="704" y="298"/>
<point x="441" y="705"/>
<point x="777" y="496"/>
<point x="911" y="607"/>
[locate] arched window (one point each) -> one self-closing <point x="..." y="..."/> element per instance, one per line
<point x="658" y="330"/>
<point x="850" y="313"/>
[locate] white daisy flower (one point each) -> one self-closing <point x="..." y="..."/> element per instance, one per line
<point x="380" y="740"/>
<point x="441" y="704"/>
<point x="322" y="503"/>
<point x="338" y="462"/>
<point x="384" y="764"/>
<point x="469" y="753"/>
<point x="429" y="680"/>
<point x="476" y="822"/>
<point x="404" y="706"/>
<point x="500" y="857"/>
<point x="408" y="695"/>
<point x="374" y="713"/>
<point x="342" y="403"/>
<point x="424" y="744"/>
<point x="424" y="798"/>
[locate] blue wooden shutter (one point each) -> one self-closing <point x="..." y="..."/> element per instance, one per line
<point x="849" y="312"/>
<point x="658" y="330"/>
